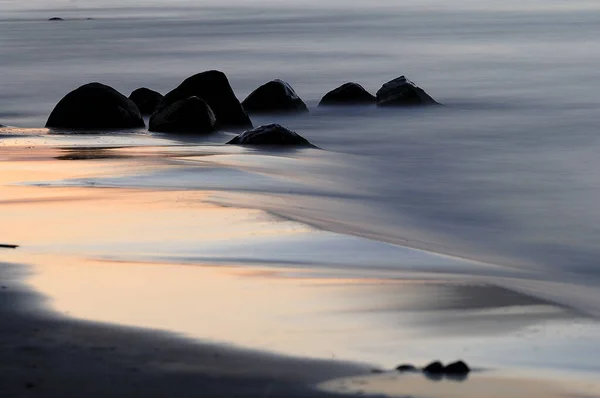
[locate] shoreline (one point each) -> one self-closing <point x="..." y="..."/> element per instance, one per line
<point x="404" y="312"/>
<point x="48" y="355"/>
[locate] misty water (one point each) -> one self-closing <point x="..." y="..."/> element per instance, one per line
<point x="506" y="172"/>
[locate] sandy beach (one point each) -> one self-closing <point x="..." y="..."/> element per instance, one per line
<point x="49" y="354"/>
<point x="100" y="299"/>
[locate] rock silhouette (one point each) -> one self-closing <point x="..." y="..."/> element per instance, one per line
<point x="190" y="115"/>
<point x="402" y="92"/>
<point x="270" y="134"/>
<point x="275" y="96"/>
<point x="348" y="94"/>
<point x="406" y="368"/>
<point x="434" y="368"/>
<point x="146" y="100"/>
<point x="55" y="19"/>
<point x="95" y="106"/>
<point x="457" y="368"/>
<point x="214" y="88"/>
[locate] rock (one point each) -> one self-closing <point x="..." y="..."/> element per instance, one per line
<point x="146" y="100"/>
<point x="457" y="368"/>
<point x="434" y="368"/>
<point x="275" y="96"/>
<point x="190" y="115"/>
<point x="95" y="106"/>
<point x="406" y="368"/>
<point x="348" y="94"/>
<point x="270" y="134"/>
<point x="402" y="92"/>
<point x="56" y="19"/>
<point x="213" y="87"/>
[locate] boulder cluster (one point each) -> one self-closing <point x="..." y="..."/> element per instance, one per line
<point x="436" y="368"/>
<point x="205" y="103"/>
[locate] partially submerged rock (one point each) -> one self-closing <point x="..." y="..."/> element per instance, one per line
<point x="146" y="100"/>
<point x="270" y="134"/>
<point x="348" y="94"/>
<point x="406" y="368"/>
<point x="56" y="19"/>
<point x="214" y="88"/>
<point x="190" y="115"/>
<point x="437" y="369"/>
<point x="95" y="106"/>
<point x="457" y="368"/>
<point x="275" y="96"/>
<point x="402" y="92"/>
<point x="434" y="368"/>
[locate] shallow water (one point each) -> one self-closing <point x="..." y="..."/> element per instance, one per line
<point x="506" y="172"/>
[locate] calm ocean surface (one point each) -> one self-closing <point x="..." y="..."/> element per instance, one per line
<point x="507" y="172"/>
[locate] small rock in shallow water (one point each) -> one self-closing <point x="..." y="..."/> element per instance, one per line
<point x="275" y="96"/>
<point x="270" y="134"/>
<point x="457" y="368"/>
<point x="402" y="92"/>
<point x="434" y="368"/>
<point x="348" y="94"/>
<point x="406" y="368"/>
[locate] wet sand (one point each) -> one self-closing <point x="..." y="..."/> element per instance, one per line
<point x="47" y="355"/>
<point x="95" y="259"/>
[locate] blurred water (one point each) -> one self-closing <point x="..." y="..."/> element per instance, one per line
<point x="505" y="172"/>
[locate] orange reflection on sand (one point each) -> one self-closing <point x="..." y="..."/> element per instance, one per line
<point x="215" y="303"/>
<point x="66" y="217"/>
<point x="494" y="385"/>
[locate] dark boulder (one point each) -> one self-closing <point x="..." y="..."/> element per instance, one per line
<point x="56" y="19"/>
<point x="190" y="115"/>
<point x="402" y="92"/>
<point x="434" y="368"/>
<point x="214" y="88"/>
<point x="146" y="100"/>
<point x="348" y="94"/>
<point x="270" y="134"/>
<point x="406" y="368"/>
<point x="95" y="106"/>
<point x="275" y="96"/>
<point x="457" y="368"/>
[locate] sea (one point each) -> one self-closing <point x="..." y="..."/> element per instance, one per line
<point x="505" y="175"/>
